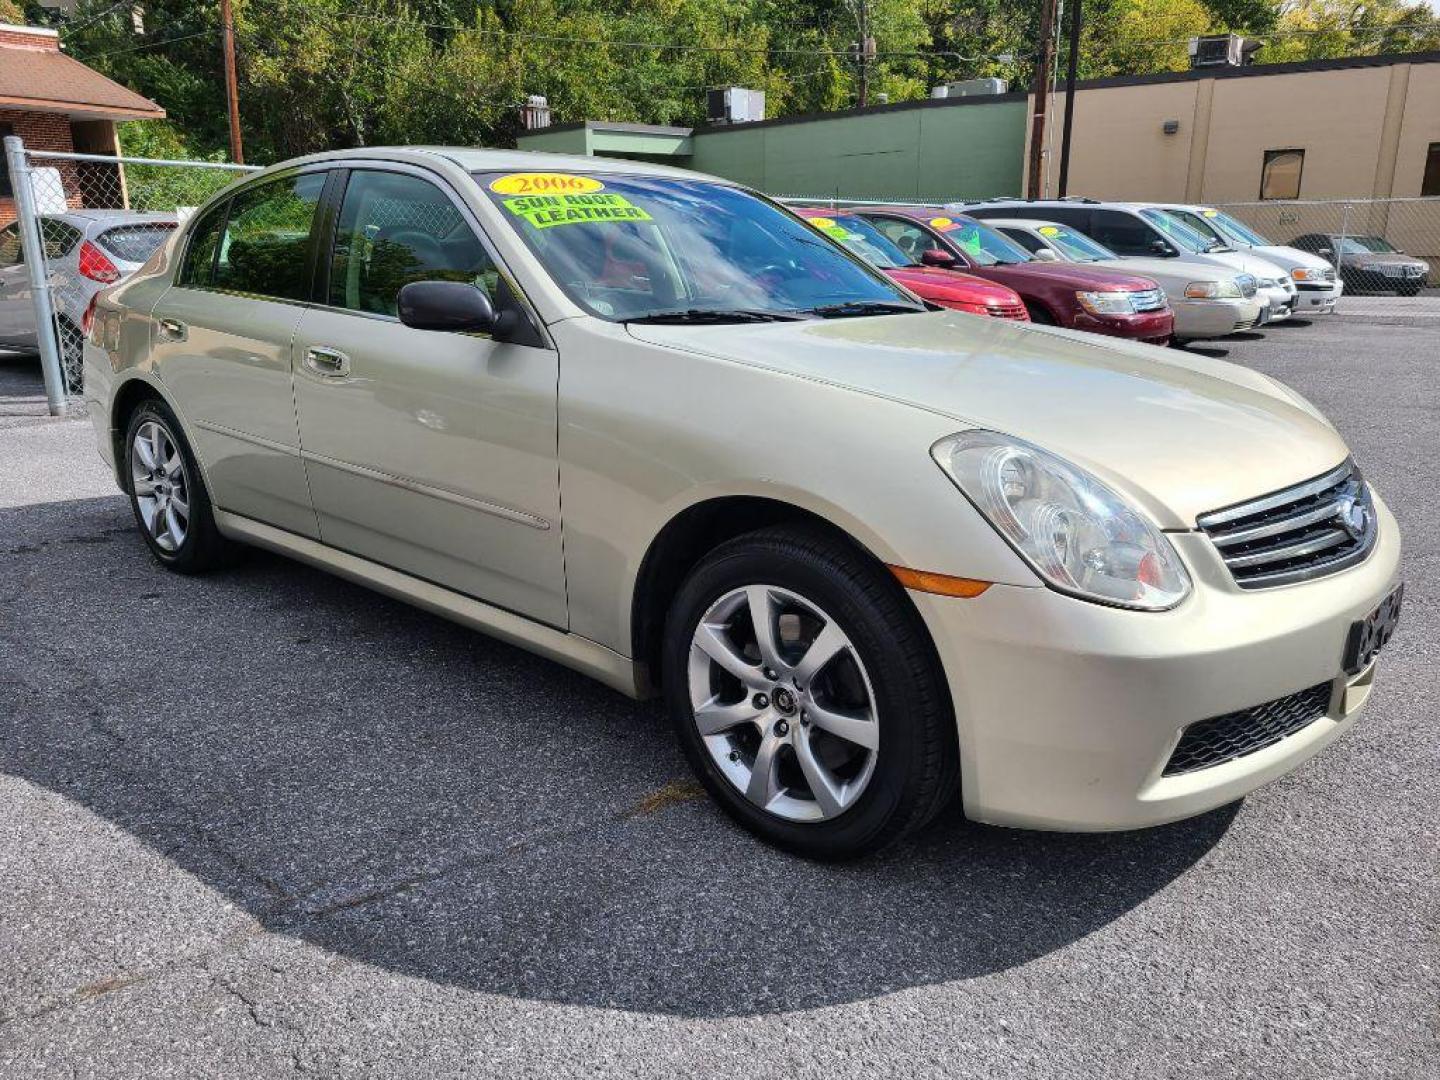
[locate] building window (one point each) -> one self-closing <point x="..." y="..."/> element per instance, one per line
<point x="5" y="190"/>
<point x="1431" y="184"/>
<point x="1280" y="175"/>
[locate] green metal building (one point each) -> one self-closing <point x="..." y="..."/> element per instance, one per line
<point x="935" y="149"/>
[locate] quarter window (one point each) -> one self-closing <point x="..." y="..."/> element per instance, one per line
<point x="395" y="229"/>
<point x="199" y="265"/>
<point x="1280" y="174"/>
<point x="907" y="236"/>
<point x="264" y="249"/>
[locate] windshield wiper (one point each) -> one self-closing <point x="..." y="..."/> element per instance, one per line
<point x="862" y="307"/>
<point x="714" y="315"/>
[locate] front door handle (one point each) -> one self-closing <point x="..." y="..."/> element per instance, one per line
<point x="331" y="363"/>
<point x="172" y="330"/>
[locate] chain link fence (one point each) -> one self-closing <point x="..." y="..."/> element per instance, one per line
<point x="84" y="222"/>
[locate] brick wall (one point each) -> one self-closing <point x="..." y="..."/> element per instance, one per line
<point x="42" y="131"/>
<point x="30" y="38"/>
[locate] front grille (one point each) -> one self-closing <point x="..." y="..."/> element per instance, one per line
<point x="1149" y="300"/>
<point x="1007" y="311"/>
<point x="1212" y="742"/>
<point x="1306" y="531"/>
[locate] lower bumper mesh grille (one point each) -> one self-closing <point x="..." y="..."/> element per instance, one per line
<point x="1212" y="742"/>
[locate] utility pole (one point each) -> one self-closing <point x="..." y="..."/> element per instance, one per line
<point x="232" y="92"/>
<point x="1040" y="90"/>
<point x="864" y="51"/>
<point x="1070" y="68"/>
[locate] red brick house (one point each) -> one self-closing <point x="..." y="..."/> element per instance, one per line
<point x="54" y="102"/>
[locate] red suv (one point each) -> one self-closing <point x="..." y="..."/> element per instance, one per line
<point x="948" y="288"/>
<point x="1061" y="294"/>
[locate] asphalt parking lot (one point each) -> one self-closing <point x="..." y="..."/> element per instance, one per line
<point x="266" y="822"/>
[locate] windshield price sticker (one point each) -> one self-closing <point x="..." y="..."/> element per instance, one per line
<point x="1048" y="230"/>
<point x="545" y="211"/>
<point x="944" y="224"/>
<point x="830" y="228"/>
<point x="545" y="183"/>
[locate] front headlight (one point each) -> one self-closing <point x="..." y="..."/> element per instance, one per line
<point x="1306" y="273"/>
<point x="1213" y="290"/>
<point x="1080" y="536"/>
<point x="1106" y="303"/>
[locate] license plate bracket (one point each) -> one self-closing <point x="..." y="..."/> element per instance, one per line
<point x="1369" y="635"/>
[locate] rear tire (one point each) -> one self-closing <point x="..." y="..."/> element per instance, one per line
<point x="168" y="496"/>
<point x="829" y="759"/>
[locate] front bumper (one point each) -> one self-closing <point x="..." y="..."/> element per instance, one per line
<point x="1201" y="319"/>
<point x="1152" y="326"/>
<point x="1068" y="711"/>
<point x="1318" y="299"/>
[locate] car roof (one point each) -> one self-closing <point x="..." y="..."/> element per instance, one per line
<point x="474" y="159"/>
<point x="1024" y="223"/>
<point x="117" y="217"/>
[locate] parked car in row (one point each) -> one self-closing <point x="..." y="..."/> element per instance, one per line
<point x="85" y="250"/>
<point x="1317" y="288"/>
<point x="947" y="288"/>
<point x="1145" y="231"/>
<point x="1371" y="263"/>
<point x="1208" y="302"/>
<point x="1107" y="302"/>
<point x="649" y="424"/>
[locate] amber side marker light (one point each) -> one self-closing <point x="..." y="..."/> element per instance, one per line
<point x="940" y="584"/>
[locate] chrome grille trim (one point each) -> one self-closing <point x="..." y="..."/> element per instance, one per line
<point x="1148" y="300"/>
<point x="1315" y="528"/>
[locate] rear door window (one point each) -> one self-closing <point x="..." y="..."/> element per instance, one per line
<point x="266" y="244"/>
<point x="1124" y="234"/>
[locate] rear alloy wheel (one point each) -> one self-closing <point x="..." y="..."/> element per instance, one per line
<point x="806" y="694"/>
<point x="168" y="496"/>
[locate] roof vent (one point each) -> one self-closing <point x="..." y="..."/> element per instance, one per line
<point x="970" y="88"/>
<point x="1222" y="50"/>
<point x="734" y="105"/>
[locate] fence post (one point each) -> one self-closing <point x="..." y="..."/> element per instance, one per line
<point x="32" y="243"/>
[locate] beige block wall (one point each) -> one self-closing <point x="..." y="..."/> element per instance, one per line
<point x="1419" y="127"/>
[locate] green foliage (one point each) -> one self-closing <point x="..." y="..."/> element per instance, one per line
<point x="319" y="74"/>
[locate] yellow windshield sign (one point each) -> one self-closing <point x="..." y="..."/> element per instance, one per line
<point x="1048" y="230"/>
<point x="546" y="211"/>
<point x="545" y="183"/>
<point x="1210" y="213"/>
<point x="830" y="227"/>
<point x="942" y="223"/>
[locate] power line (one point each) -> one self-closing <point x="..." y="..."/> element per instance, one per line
<point x="142" y="48"/>
<point x="68" y="30"/>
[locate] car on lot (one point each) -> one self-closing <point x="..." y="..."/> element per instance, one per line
<point x="1208" y="302"/>
<point x="1317" y="287"/>
<point x="1108" y="302"/>
<point x="1145" y="231"/>
<point x="947" y="288"/>
<point x="85" y="250"/>
<point x="650" y="424"/>
<point x="1371" y="263"/>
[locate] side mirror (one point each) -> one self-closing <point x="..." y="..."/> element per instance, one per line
<point x="1160" y="247"/>
<point x="1327" y="252"/>
<point x="936" y="257"/>
<point x="1046" y="254"/>
<point x="446" y="305"/>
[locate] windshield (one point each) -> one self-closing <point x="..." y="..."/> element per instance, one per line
<point x="1348" y="245"/>
<point x="1178" y="233"/>
<point x="863" y="238"/>
<point x="1233" y="228"/>
<point x="980" y="243"/>
<point x="1377" y="244"/>
<point x="1077" y="247"/>
<point x="646" y="247"/>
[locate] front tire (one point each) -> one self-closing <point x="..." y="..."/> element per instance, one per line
<point x="806" y="694"/>
<point x="168" y="496"/>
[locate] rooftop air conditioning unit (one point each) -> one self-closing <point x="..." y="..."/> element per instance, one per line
<point x="734" y="105"/>
<point x="970" y="88"/>
<point x="1221" y="50"/>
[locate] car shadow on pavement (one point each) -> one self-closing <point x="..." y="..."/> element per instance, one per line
<point x="407" y="794"/>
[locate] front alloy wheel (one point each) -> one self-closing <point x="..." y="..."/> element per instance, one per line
<point x="782" y="703"/>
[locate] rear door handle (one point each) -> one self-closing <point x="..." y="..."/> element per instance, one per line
<point x="172" y="329"/>
<point x="331" y="363"/>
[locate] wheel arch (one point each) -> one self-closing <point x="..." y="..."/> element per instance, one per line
<point x="128" y="396"/>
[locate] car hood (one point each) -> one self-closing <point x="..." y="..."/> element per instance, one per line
<point x="1247" y="263"/>
<point x="932" y="283"/>
<point x="1289" y="257"/>
<point x="1069" y="275"/>
<point x="1388" y="258"/>
<point x="1163" y="270"/>
<point x="1181" y="434"/>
